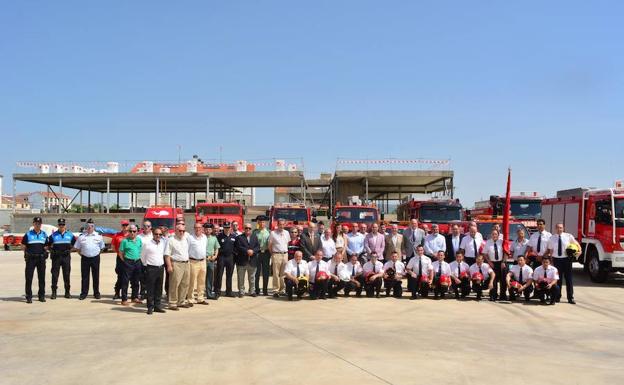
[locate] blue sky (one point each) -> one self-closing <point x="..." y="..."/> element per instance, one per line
<point x="538" y="86"/>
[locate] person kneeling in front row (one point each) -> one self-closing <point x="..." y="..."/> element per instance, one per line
<point x="442" y="275"/>
<point x="356" y="277"/>
<point x="420" y="273"/>
<point x="520" y="280"/>
<point x="394" y="271"/>
<point x="373" y="276"/>
<point x="482" y="277"/>
<point x="319" y="275"/>
<point x="546" y="277"/>
<point x="296" y="276"/>
<point x="460" y="276"/>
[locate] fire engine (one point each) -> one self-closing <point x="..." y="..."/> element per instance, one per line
<point x="525" y="207"/>
<point x="163" y="215"/>
<point x="218" y="213"/>
<point x="439" y="211"/>
<point x="595" y="217"/>
<point x="293" y="215"/>
<point x="354" y="212"/>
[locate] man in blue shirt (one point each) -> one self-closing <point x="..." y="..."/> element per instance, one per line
<point x="60" y="243"/>
<point x="35" y="254"/>
<point x="89" y="244"/>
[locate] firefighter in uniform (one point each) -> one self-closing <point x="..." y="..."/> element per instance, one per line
<point x="225" y="261"/>
<point x="35" y="254"/>
<point x="460" y="276"/>
<point x="60" y="244"/>
<point x="495" y="255"/>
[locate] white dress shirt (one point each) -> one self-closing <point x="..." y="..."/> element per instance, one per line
<point x="329" y="246"/>
<point x="399" y="267"/>
<point x="178" y="249"/>
<point x="446" y="268"/>
<point x="519" y="248"/>
<point x="279" y="241"/>
<point x="489" y="250"/>
<point x="336" y="268"/>
<point x="485" y="270"/>
<point x="553" y="244"/>
<point x="368" y="267"/>
<point x="463" y="268"/>
<point x="545" y="235"/>
<point x="354" y="269"/>
<point x="152" y="253"/>
<point x="527" y="273"/>
<point x="416" y="261"/>
<point x="197" y="246"/>
<point x="434" y="243"/>
<point x="322" y="266"/>
<point x="455" y="242"/>
<point x="89" y="245"/>
<point x="467" y="244"/>
<point x="552" y="274"/>
<point x="291" y="268"/>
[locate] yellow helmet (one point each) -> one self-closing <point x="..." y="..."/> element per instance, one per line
<point x="573" y="250"/>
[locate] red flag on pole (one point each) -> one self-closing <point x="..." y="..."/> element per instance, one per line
<point x="506" y="214"/>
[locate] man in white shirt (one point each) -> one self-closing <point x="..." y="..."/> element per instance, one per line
<point x="197" y="260"/>
<point x="471" y="244"/>
<point x="335" y="282"/>
<point x="356" y="280"/>
<point x="152" y="258"/>
<point x="328" y="244"/>
<point x="520" y="280"/>
<point x="296" y="275"/>
<point x="319" y="276"/>
<point x="373" y="276"/>
<point x="557" y="245"/>
<point x="442" y="275"/>
<point x="278" y="246"/>
<point x="177" y="261"/>
<point x="394" y="271"/>
<point x="482" y="277"/>
<point x="419" y="273"/>
<point x="495" y="256"/>
<point x="538" y="244"/>
<point x="434" y="242"/>
<point x="545" y="278"/>
<point x="460" y="276"/>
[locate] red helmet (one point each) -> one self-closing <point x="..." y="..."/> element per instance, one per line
<point x="463" y="275"/>
<point x="424" y="278"/>
<point x="321" y="275"/>
<point x="515" y="284"/>
<point x="477" y="277"/>
<point x="445" y="280"/>
<point x="368" y="275"/>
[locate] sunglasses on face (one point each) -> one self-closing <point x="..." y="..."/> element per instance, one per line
<point x="132" y="231"/>
<point x="157" y="234"/>
<point x="247" y="228"/>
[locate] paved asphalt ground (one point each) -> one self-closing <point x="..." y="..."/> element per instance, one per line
<point x="341" y="341"/>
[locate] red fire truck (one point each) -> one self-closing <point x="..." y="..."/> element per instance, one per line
<point x="596" y="219"/>
<point x="218" y="213"/>
<point x="526" y="207"/>
<point x="439" y="211"/>
<point x="163" y="215"/>
<point x="346" y="215"/>
<point x="293" y="215"/>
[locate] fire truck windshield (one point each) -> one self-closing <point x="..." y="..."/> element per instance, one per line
<point x="526" y="209"/>
<point x="619" y="212"/>
<point x="157" y="222"/>
<point x="219" y="210"/>
<point x="440" y="214"/>
<point x="356" y="215"/>
<point x="485" y="228"/>
<point x="291" y="214"/>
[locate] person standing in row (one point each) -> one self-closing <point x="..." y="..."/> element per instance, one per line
<point x="310" y="243"/>
<point x="393" y="243"/>
<point x="434" y="242"/>
<point x="355" y="243"/>
<point x="329" y="245"/>
<point x="34" y="243"/>
<point x="278" y="245"/>
<point x="538" y="244"/>
<point x="197" y="261"/>
<point x="212" y="253"/>
<point x="495" y="256"/>
<point x="153" y="259"/>
<point x="519" y="246"/>
<point x="130" y="255"/>
<point x="119" y="267"/>
<point x="177" y="260"/>
<point x="294" y="244"/>
<point x="61" y="242"/>
<point x="471" y="244"/>
<point x="453" y="242"/>
<point x="264" y="256"/>
<point x="89" y="244"/>
<point x="341" y="240"/>
<point x="247" y="248"/>
<point x="413" y="236"/>
<point x="375" y="242"/>
<point x="225" y="262"/>
<point x="557" y="245"/>
<point x="145" y="235"/>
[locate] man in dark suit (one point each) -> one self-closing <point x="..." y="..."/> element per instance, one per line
<point x="453" y="240"/>
<point x="310" y="243"/>
<point x="246" y="249"/>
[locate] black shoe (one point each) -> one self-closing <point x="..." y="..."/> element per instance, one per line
<point x="443" y="295"/>
<point x="571" y="301"/>
<point x="276" y="295"/>
<point x="97" y="296"/>
<point x="254" y="294"/>
<point x="358" y="295"/>
<point x="377" y="295"/>
<point x="67" y="295"/>
<point x="174" y="308"/>
<point x="42" y="299"/>
<point x="53" y="296"/>
<point x="265" y="293"/>
<point x="503" y="298"/>
<point x="552" y="302"/>
<point x="82" y="297"/>
<point x="240" y="295"/>
<point x="290" y="298"/>
<point x="150" y="311"/>
<point x="116" y="296"/>
<point x="159" y="310"/>
<point x="456" y="296"/>
<point x="28" y="300"/>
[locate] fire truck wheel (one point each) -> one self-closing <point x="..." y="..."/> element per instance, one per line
<point x="597" y="270"/>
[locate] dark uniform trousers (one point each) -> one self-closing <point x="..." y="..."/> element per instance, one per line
<point x="154" y="285"/>
<point x="499" y="280"/>
<point x="119" y="271"/>
<point x="437" y="288"/>
<point x="564" y="265"/>
<point x="374" y="287"/>
<point x="224" y="263"/>
<point x="319" y="289"/>
<point x="394" y="285"/>
<point x="61" y="260"/>
<point x="35" y="261"/>
<point x="292" y="286"/>
<point x="333" y="287"/>
<point x="131" y="274"/>
<point x="417" y="287"/>
<point x="461" y="289"/>
<point x="553" y="293"/>
<point x="479" y="287"/>
<point x="513" y="293"/>
<point x="350" y="286"/>
<point x="264" y="259"/>
<point x="90" y="265"/>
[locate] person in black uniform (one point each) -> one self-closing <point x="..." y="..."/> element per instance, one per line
<point x="60" y="244"/>
<point x="35" y="242"/>
<point x="225" y="261"/>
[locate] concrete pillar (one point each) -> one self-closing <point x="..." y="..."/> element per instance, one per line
<point x="157" y="190"/>
<point x="366" y="194"/>
<point x="60" y="194"/>
<point x="207" y="188"/>
<point x="107" y="195"/>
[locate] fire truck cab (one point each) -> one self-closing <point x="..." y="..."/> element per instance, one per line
<point x="163" y="215"/>
<point x="218" y="213"/>
<point x="442" y="212"/>
<point x="526" y="207"/>
<point x="293" y="215"/>
<point x="595" y="217"/>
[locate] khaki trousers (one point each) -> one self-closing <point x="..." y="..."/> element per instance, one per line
<point x="179" y="283"/>
<point x="278" y="261"/>
<point x="197" y="280"/>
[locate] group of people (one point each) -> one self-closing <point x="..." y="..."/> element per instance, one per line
<point x="313" y="261"/>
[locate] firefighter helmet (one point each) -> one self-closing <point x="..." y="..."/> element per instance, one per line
<point x="477" y="277"/>
<point x="573" y="250"/>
